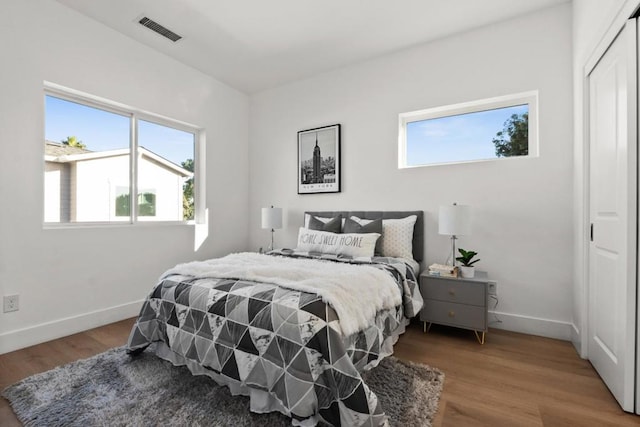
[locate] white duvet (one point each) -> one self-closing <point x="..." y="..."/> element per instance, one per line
<point x="356" y="292"/>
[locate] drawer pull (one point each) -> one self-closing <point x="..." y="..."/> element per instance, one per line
<point x="452" y="292"/>
<point x="452" y="314"/>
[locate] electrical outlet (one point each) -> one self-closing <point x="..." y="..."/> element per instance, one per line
<point x="493" y="288"/>
<point x="11" y="303"/>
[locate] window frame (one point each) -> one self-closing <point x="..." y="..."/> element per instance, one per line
<point x="134" y="115"/>
<point x="529" y="98"/>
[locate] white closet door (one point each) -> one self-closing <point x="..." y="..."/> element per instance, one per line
<point x="613" y="187"/>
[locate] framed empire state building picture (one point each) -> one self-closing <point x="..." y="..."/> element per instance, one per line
<point x="319" y="160"/>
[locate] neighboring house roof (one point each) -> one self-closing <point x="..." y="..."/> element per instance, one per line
<point x="60" y="153"/>
<point x="56" y="149"/>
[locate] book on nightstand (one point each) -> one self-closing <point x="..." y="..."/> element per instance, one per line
<point x="442" y="270"/>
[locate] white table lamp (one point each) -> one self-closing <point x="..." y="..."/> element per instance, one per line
<point x="454" y="220"/>
<point x="272" y="218"/>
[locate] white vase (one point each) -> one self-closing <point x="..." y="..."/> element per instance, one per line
<point x="467" y="272"/>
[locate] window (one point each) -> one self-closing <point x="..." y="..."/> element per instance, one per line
<point x="91" y="176"/>
<point x="146" y="202"/>
<point x="475" y="131"/>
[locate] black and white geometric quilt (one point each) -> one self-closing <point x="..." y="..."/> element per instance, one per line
<point x="282" y="347"/>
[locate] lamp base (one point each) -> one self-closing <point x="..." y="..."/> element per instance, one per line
<point x="453" y="250"/>
<point x="270" y="248"/>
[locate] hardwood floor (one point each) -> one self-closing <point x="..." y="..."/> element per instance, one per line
<point x="512" y="380"/>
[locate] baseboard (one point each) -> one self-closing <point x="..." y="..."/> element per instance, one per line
<point x="576" y="339"/>
<point x="531" y="325"/>
<point x="21" y="338"/>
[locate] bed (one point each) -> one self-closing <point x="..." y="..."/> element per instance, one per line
<point x="292" y="329"/>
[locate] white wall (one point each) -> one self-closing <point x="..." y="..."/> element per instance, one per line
<point x="522" y="207"/>
<point x="54" y="173"/>
<point x="595" y="23"/>
<point x="71" y="279"/>
<point x="94" y="184"/>
<point x="166" y="184"/>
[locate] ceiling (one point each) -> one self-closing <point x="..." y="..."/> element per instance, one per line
<point x="254" y="45"/>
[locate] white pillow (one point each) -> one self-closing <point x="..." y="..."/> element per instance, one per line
<point x="350" y="244"/>
<point x="307" y="218"/>
<point x="397" y="236"/>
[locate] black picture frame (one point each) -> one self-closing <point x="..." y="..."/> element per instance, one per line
<point x="319" y="167"/>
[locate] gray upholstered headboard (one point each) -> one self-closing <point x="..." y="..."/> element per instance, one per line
<point x="418" y="229"/>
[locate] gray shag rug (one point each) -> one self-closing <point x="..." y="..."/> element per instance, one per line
<point x="114" y="389"/>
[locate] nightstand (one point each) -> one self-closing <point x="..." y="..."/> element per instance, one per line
<point x="455" y="301"/>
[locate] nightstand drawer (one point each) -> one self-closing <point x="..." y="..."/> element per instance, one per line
<point x="453" y="314"/>
<point x="454" y="290"/>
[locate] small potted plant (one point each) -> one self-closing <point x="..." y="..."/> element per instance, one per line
<point x="467" y="270"/>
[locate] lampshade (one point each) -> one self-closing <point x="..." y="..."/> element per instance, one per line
<point x="272" y="217"/>
<point x="454" y="220"/>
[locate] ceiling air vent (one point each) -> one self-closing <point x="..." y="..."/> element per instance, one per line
<point x="163" y="31"/>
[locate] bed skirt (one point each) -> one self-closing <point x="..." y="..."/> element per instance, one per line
<point x="262" y="401"/>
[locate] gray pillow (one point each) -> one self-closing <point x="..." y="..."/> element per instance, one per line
<point x="375" y="226"/>
<point x="333" y="225"/>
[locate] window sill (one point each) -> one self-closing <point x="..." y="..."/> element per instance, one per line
<point x="93" y="225"/>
